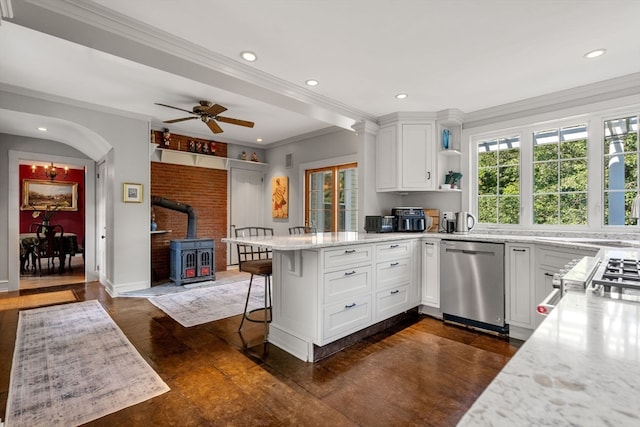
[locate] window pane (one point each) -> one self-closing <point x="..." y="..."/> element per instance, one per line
<point x="545" y="145"/>
<point x="488" y="181"/>
<point x="573" y="208"/>
<point x="572" y="174"/>
<point x="620" y="162"/>
<point x="545" y="177"/>
<point x="488" y="209"/>
<point x="330" y="208"/>
<point x="498" y="176"/>
<point x="545" y="209"/>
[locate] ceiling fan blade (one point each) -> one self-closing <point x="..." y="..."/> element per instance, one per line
<point x="175" y="108"/>
<point x="215" y="128"/>
<point x="235" y="121"/>
<point x="216" y="109"/>
<point x="179" y="120"/>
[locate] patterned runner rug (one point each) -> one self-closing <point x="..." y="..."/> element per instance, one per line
<point x="203" y="305"/>
<point x="37" y="300"/>
<point x="71" y="365"/>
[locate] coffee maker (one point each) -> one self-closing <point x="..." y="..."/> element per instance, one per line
<point x="409" y="219"/>
<point x="449" y="222"/>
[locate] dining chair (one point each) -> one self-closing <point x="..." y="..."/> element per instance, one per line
<point x="257" y="261"/>
<point x="302" y="229"/>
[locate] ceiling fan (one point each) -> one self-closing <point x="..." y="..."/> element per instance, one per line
<point x="208" y="113"/>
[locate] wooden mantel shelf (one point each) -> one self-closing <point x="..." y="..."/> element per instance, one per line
<point x="187" y="158"/>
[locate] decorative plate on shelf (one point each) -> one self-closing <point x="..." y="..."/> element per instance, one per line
<point x="446" y="135"/>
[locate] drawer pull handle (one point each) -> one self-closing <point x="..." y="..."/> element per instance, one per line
<point x="353" y="304"/>
<point x="394" y="292"/>
<point x="428" y="243"/>
<point x="393" y="264"/>
<point x="351" y="251"/>
<point x="393" y="246"/>
<point x="548" y="274"/>
<point x="519" y="250"/>
<point x="349" y="273"/>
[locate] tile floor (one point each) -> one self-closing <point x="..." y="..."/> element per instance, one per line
<point x="422" y="373"/>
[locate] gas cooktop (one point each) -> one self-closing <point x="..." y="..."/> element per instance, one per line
<point x="618" y="278"/>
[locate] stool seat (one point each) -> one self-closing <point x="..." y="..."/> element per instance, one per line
<point x="261" y="267"/>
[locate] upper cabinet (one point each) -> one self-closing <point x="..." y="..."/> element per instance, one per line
<point x="406" y="156"/>
<point x="417" y="151"/>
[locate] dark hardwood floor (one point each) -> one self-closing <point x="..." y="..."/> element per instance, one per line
<point x="422" y="373"/>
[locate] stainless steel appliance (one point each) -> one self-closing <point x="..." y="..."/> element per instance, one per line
<point x="465" y="221"/>
<point x="448" y="222"/>
<point x="472" y="284"/>
<point x="379" y="224"/>
<point x="574" y="276"/>
<point x="409" y="218"/>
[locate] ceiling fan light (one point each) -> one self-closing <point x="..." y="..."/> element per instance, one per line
<point x="249" y="56"/>
<point x="595" y="53"/>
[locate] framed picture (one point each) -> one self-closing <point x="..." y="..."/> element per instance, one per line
<point x="131" y="193"/>
<point x="41" y="195"/>
<point x="280" y="197"/>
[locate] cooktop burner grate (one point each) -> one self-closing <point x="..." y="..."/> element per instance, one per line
<point x="620" y="273"/>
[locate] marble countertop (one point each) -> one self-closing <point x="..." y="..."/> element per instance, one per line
<point x="323" y="240"/>
<point x="580" y="367"/>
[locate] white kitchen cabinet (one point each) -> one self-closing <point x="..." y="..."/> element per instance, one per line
<point x="406" y="157"/>
<point x="519" y="289"/>
<point x="431" y="272"/>
<point x="549" y="260"/>
<point x="394" y="273"/>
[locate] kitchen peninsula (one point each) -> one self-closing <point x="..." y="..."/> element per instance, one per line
<point x="328" y="286"/>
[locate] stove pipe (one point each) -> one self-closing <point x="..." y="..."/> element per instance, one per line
<point x="176" y="206"/>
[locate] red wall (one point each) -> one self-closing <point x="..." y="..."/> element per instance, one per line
<point x="203" y="189"/>
<point x="71" y="222"/>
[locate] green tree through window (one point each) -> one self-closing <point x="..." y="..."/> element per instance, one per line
<point x="499" y="181"/>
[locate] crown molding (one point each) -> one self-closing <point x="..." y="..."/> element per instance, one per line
<point x="137" y="32"/>
<point x="620" y="87"/>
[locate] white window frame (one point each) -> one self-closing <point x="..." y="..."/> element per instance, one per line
<point x="595" y="208"/>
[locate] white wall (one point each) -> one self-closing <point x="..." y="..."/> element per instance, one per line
<point x="124" y="144"/>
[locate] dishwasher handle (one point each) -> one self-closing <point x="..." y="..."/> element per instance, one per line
<point x="470" y="252"/>
<point x="549" y="302"/>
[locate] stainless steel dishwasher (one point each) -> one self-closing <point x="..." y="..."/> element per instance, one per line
<point x="472" y="284"/>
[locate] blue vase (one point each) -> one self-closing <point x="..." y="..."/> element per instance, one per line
<point x="154" y="226"/>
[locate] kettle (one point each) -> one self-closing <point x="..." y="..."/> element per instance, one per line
<point x="465" y="221"/>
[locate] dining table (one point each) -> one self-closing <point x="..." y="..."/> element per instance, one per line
<point x="49" y="244"/>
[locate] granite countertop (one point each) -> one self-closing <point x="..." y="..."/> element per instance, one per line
<point x="323" y="240"/>
<point x="580" y="367"/>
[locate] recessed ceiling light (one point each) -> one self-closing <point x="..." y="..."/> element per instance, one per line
<point x="249" y="56"/>
<point x="42" y="129"/>
<point x="401" y="96"/>
<point x="595" y="53"/>
<point x="312" y="82"/>
<point x="259" y="140"/>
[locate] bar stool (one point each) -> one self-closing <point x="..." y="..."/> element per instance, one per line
<point x="302" y="229"/>
<point x="256" y="261"/>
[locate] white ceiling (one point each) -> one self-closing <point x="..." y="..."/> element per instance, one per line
<point x="463" y="54"/>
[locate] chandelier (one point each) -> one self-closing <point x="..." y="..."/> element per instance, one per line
<point x="50" y="171"/>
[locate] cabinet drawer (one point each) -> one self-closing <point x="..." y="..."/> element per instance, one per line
<point x="393" y="250"/>
<point x="392" y="301"/>
<point x="346" y="317"/>
<point x="347" y="283"/>
<point x="393" y="273"/>
<point x="347" y="255"/>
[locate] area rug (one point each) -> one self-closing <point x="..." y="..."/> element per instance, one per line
<point x="71" y="365"/>
<point x="203" y="305"/>
<point x="37" y="300"/>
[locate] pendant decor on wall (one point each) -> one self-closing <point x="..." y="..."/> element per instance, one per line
<point x="280" y="197"/>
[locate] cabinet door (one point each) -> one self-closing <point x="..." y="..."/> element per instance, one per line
<point x="387" y="159"/>
<point x="418" y="157"/>
<point x="431" y="272"/>
<point x="519" y="287"/>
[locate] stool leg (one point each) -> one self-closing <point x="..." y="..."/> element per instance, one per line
<point x="246" y="304"/>
<point x="267" y="306"/>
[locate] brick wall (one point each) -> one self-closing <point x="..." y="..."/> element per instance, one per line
<point x="203" y="189"/>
